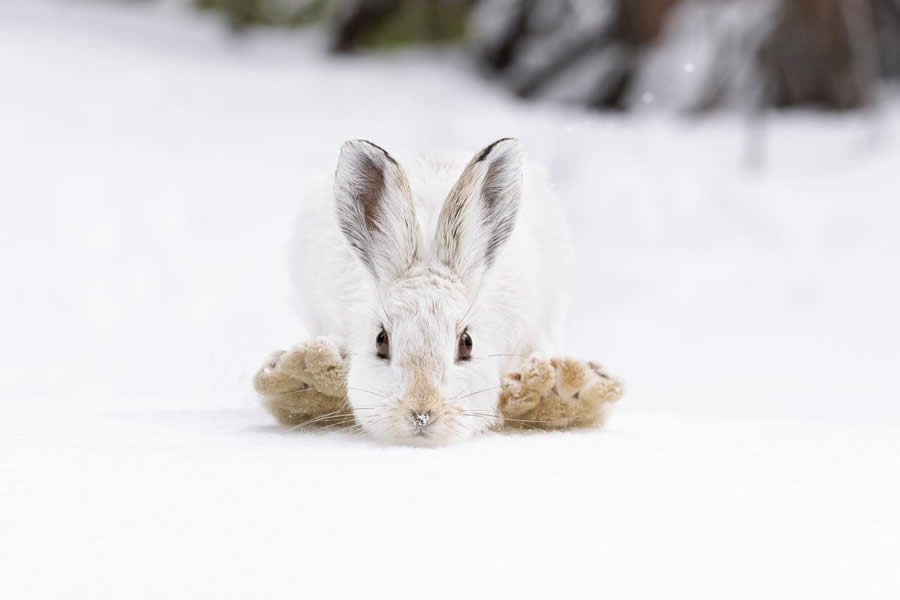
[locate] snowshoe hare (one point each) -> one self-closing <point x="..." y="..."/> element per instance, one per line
<point x="437" y="288"/>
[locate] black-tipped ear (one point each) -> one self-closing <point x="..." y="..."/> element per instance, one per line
<point x="480" y="212"/>
<point x="375" y="209"/>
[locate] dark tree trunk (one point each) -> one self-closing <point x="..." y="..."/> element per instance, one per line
<point x="359" y="19"/>
<point x="426" y="20"/>
<point x="886" y="14"/>
<point x="819" y="54"/>
<point x="639" y="23"/>
<point x="500" y="55"/>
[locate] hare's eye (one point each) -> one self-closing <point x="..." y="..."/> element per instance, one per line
<point x="383" y="345"/>
<point x="464" y="349"/>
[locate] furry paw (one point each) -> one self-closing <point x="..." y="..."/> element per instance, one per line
<point x="557" y="393"/>
<point x="307" y="385"/>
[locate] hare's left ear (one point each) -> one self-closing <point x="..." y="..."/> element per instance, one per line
<point x="480" y="212"/>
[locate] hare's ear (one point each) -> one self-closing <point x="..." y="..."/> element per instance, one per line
<point x="375" y="209"/>
<point x="480" y="212"/>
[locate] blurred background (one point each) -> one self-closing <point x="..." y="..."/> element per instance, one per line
<point x="729" y="169"/>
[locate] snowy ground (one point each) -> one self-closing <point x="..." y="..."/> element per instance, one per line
<point x="149" y="172"/>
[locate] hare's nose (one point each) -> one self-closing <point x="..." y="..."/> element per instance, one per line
<point x="421" y="418"/>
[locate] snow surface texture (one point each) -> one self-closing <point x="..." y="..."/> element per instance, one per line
<point x="149" y="173"/>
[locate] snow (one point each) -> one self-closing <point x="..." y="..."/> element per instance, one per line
<point x="740" y="276"/>
<point x="219" y="504"/>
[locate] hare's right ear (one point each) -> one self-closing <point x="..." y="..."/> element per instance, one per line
<point x="375" y="209"/>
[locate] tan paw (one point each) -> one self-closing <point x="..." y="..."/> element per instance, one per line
<point x="305" y="383"/>
<point x="558" y="393"/>
<point x="521" y="391"/>
<point x="326" y="366"/>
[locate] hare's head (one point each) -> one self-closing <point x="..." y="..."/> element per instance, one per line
<point x="421" y="370"/>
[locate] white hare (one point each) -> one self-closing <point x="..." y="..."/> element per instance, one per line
<point x="427" y="281"/>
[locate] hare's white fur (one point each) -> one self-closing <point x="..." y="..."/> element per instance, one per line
<point x="373" y="249"/>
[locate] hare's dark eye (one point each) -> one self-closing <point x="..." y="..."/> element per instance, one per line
<point x="383" y="345"/>
<point x="464" y="348"/>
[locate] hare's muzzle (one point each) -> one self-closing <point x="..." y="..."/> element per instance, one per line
<point x="423" y="406"/>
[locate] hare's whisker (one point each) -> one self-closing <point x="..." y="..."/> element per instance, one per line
<point x="294" y="392"/>
<point x="377" y="421"/>
<point x="554" y="422"/>
<point x="530" y="426"/>
<point x="332" y="415"/>
<point x="341" y="412"/>
<point x="474" y="299"/>
<point x="350" y="428"/>
<point x="383" y="309"/>
<point x="336" y="424"/>
<point x="496" y="387"/>
<point x="302" y="427"/>
<point x="367" y="391"/>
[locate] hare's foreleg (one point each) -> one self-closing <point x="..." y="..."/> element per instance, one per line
<point x="557" y="393"/>
<point x="307" y="385"/>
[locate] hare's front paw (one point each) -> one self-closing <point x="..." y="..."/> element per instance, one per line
<point x="557" y="393"/>
<point x="307" y="385"/>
